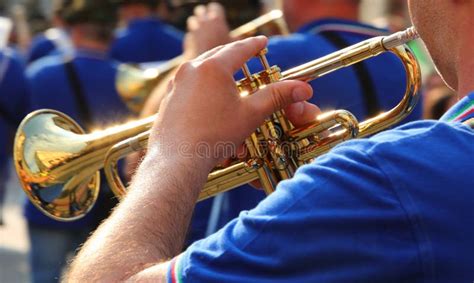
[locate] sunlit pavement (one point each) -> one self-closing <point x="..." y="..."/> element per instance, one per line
<point x="14" y="244"/>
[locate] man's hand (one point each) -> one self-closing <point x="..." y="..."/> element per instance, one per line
<point x="204" y="109"/>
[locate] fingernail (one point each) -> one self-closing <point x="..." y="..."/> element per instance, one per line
<point x="299" y="94"/>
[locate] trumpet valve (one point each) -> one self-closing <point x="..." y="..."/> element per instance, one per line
<point x="254" y="82"/>
<point x="248" y="84"/>
<point x="268" y="76"/>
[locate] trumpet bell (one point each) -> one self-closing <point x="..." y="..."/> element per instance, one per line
<point x="135" y="84"/>
<point x="45" y="140"/>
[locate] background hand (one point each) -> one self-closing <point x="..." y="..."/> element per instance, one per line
<point x="207" y="28"/>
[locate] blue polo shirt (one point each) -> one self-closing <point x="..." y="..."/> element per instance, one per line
<point x="13" y="100"/>
<point x="339" y="90"/>
<point x="50" y="88"/>
<point x="147" y="40"/>
<point x="40" y="47"/>
<point x="54" y="41"/>
<point x="397" y="207"/>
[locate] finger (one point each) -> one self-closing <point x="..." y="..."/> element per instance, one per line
<point x="234" y="55"/>
<point x="192" y="23"/>
<point x="215" y="9"/>
<point x="200" y="11"/>
<point x="302" y="113"/>
<point x="209" y="53"/>
<point x="277" y="96"/>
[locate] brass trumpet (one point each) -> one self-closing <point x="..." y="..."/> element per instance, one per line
<point x="57" y="164"/>
<point x="134" y="84"/>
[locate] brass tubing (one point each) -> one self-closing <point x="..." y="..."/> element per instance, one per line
<point x="135" y="85"/>
<point x="332" y="62"/>
<point x="57" y="163"/>
<point x="115" y="153"/>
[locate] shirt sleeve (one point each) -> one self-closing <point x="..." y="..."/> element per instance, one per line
<point x="13" y="91"/>
<point x="337" y="220"/>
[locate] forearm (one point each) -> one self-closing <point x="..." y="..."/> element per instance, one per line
<point x="149" y="226"/>
<point x="136" y="237"/>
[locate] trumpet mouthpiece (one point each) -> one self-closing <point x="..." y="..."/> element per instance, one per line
<point x="400" y="38"/>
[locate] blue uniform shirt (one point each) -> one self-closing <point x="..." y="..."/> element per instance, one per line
<point x="13" y="100"/>
<point x="339" y="90"/>
<point x="54" y="41"/>
<point x="397" y="207"/>
<point x="40" y="47"/>
<point x="147" y="40"/>
<point x="51" y="88"/>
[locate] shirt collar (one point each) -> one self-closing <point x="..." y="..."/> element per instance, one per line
<point x="144" y="21"/>
<point x="461" y="111"/>
<point x="332" y="24"/>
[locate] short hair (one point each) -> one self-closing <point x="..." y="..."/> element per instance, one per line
<point x="99" y="17"/>
<point x="152" y="4"/>
<point x="102" y="12"/>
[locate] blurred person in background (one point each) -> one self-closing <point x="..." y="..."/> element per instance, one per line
<point x="237" y="12"/>
<point x="396" y="16"/>
<point x="83" y="87"/>
<point x="437" y="97"/>
<point x="145" y="38"/>
<point x="54" y="40"/>
<point x="13" y="107"/>
<point x="318" y="28"/>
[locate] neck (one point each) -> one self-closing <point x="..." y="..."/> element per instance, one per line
<point x="81" y="41"/>
<point x="465" y="60"/>
<point x="340" y="10"/>
<point x="465" y="80"/>
<point x="133" y="12"/>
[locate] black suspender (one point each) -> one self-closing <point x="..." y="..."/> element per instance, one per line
<point x="81" y="102"/>
<point x="371" y="102"/>
<point x="4" y="113"/>
<point x="7" y="117"/>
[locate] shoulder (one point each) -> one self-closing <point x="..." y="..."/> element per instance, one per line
<point x="401" y="155"/>
<point x="409" y="136"/>
<point x="40" y="40"/>
<point x="295" y="49"/>
<point x="14" y="58"/>
<point x="370" y="160"/>
<point x="161" y="30"/>
<point x="151" y="25"/>
<point x="44" y="66"/>
<point x="171" y="31"/>
<point x="121" y="33"/>
<point x="297" y="41"/>
<point x="40" y="46"/>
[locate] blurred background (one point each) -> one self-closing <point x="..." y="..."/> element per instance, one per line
<point x="22" y="21"/>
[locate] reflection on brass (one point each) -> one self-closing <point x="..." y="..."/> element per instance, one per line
<point x="57" y="163"/>
<point x="135" y="85"/>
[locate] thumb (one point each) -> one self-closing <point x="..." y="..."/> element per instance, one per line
<point x="279" y="95"/>
<point x="302" y="113"/>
